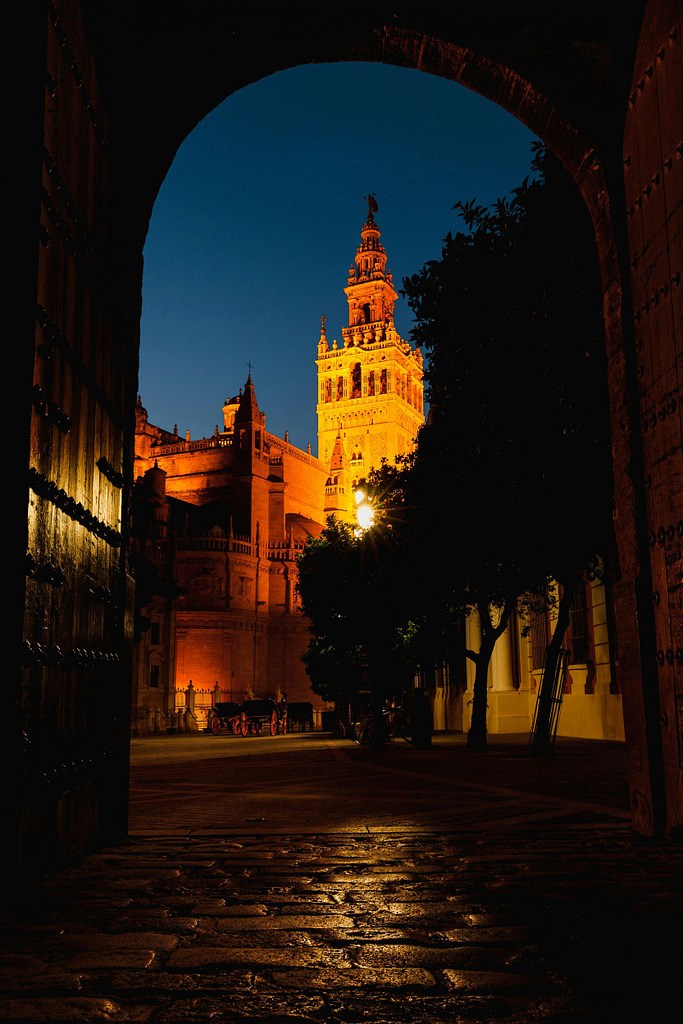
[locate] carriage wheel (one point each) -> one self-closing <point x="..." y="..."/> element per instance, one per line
<point x="273" y="723"/>
<point x="244" y="725"/>
<point x="237" y="726"/>
<point x="216" y="725"/>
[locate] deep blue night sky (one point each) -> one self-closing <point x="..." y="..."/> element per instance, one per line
<point x="259" y="218"/>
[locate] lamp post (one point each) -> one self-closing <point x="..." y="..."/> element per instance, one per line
<point x="365" y="519"/>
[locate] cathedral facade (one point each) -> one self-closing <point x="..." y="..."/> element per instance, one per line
<point x="220" y="521"/>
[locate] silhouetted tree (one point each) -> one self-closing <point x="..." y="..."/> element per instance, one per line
<point x="348" y="592"/>
<point x="511" y="316"/>
<point x="328" y="586"/>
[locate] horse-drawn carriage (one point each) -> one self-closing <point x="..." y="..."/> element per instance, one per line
<point x="265" y="713"/>
<point x="228" y="714"/>
<point x="253" y="716"/>
<point x="300" y="715"/>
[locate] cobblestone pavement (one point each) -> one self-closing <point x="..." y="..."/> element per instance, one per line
<point x="486" y="891"/>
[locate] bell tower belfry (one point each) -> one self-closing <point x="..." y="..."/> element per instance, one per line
<point x="370" y="390"/>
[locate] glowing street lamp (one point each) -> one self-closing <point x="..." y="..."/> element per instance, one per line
<point x="365" y="513"/>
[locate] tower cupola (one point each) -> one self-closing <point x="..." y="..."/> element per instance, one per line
<point x="370" y="291"/>
<point x="371" y="257"/>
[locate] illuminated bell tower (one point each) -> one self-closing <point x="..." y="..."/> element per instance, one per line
<point x="370" y="391"/>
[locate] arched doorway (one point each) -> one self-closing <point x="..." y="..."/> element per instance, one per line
<point x="121" y="93"/>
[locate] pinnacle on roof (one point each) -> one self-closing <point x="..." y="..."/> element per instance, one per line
<point x="248" y="409"/>
<point x="338" y="460"/>
<point x="322" y="343"/>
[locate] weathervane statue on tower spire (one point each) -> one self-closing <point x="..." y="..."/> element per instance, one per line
<point x="372" y="204"/>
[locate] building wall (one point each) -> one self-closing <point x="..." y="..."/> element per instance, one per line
<point x="225" y="518"/>
<point x="591" y="704"/>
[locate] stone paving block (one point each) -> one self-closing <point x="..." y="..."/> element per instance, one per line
<point x="241" y="910"/>
<point x="331" y="862"/>
<point x="216" y="884"/>
<point x="370" y="880"/>
<point x="208" y="906"/>
<point x="493" y="982"/>
<point x="19" y="973"/>
<point x="201" y="1009"/>
<point x="416" y="909"/>
<point x="496" y="936"/>
<point x="432" y="957"/>
<point x="70" y="1010"/>
<point x="271" y="939"/>
<point x="362" y="933"/>
<point x="371" y="978"/>
<point x="307" y="908"/>
<point x="164" y="924"/>
<point x="590" y="1009"/>
<point x="424" y="1008"/>
<point x="359" y="887"/>
<point x="112" y="960"/>
<point x="96" y="942"/>
<point x="131" y="884"/>
<point x="160" y="983"/>
<point x="292" y="896"/>
<point x="205" y="957"/>
<point x="288" y="921"/>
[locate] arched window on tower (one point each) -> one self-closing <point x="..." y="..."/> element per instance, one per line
<point x="367" y="313"/>
<point x="355" y="381"/>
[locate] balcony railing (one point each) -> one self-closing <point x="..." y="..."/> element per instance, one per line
<point x="222" y="441"/>
<point x="280" y="551"/>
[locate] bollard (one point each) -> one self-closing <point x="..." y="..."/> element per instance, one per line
<point x="190" y="695"/>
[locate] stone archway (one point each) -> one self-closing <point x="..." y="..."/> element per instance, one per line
<point x="125" y="84"/>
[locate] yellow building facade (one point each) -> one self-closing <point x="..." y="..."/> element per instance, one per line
<point x="370" y="388"/>
<point x="591" y="705"/>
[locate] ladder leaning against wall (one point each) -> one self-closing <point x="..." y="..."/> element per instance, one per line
<point x="556" y="698"/>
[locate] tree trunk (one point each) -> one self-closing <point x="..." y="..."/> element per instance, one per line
<point x="542" y="739"/>
<point x="476" y="737"/>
